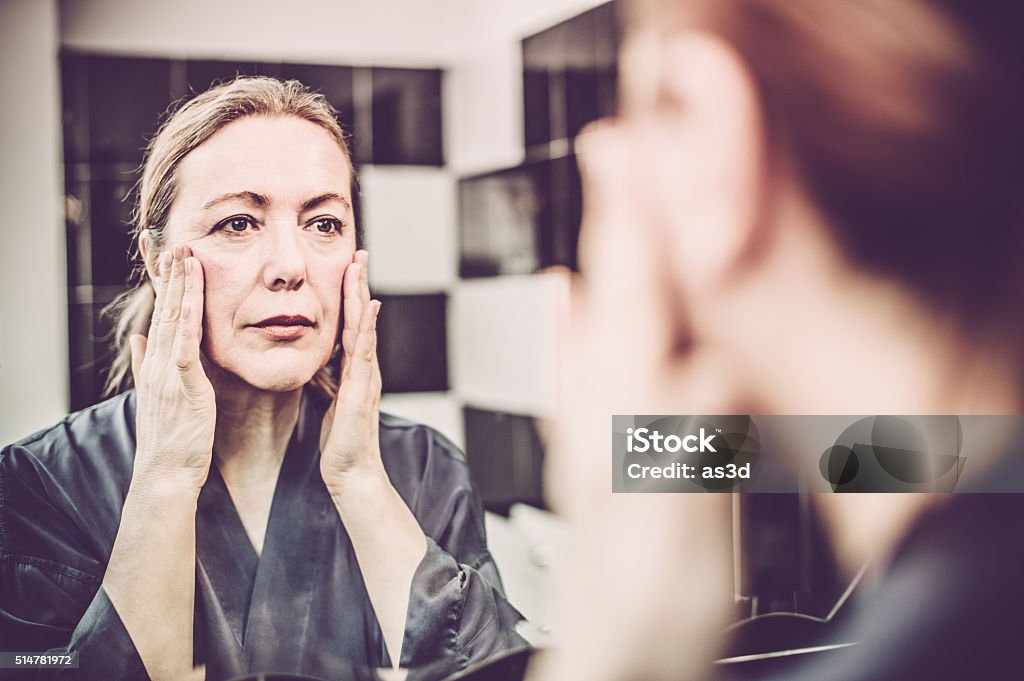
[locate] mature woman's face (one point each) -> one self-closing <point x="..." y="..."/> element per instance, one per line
<point x="265" y="205"/>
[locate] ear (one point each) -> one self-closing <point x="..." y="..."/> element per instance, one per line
<point x="705" y="146"/>
<point x="149" y="255"/>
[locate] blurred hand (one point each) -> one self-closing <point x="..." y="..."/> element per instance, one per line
<point x="647" y="586"/>
<point x="176" y="403"/>
<point x="349" y="445"/>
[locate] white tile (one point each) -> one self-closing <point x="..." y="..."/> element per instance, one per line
<point x="483" y="105"/>
<point x="440" y="411"/>
<point x="409" y="217"/>
<point x="502" y="342"/>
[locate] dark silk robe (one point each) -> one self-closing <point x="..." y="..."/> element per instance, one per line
<point x="301" y="606"/>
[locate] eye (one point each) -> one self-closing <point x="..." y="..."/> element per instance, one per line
<point x="327" y="225"/>
<point x="236" y="224"/>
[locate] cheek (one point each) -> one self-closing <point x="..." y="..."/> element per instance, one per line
<point x="327" y="268"/>
<point x="330" y="294"/>
<point x="223" y="292"/>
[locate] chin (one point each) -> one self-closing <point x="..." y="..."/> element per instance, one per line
<point x="277" y="383"/>
<point x="275" y="372"/>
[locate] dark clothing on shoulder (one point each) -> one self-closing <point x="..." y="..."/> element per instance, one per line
<point x="948" y="607"/>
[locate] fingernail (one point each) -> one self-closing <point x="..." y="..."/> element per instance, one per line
<point x="165" y="259"/>
<point x="376" y="309"/>
<point x="188" y="266"/>
<point x="186" y="310"/>
<point x="177" y="252"/>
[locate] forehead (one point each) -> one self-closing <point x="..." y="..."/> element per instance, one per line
<point x="285" y="158"/>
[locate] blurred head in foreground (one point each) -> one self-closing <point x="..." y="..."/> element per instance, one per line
<point x="803" y="208"/>
<point x="830" y="197"/>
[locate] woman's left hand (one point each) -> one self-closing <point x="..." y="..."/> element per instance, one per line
<point x="349" y="444"/>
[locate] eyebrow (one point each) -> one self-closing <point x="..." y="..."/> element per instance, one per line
<point x="325" y="198"/>
<point x="247" y="196"/>
<point x="262" y="200"/>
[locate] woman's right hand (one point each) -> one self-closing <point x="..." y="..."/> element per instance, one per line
<point x="176" y="411"/>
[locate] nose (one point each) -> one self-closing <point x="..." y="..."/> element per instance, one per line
<point x="284" y="260"/>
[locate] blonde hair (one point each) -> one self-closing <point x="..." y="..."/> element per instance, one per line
<point x="182" y="132"/>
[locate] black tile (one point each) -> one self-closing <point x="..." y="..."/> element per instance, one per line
<point x="412" y="343"/>
<point x="503" y="219"/>
<point x="407" y="117"/>
<point x="81" y="347"/>
<point x="570" y="69"/>
<point x="109" y="217"/>
<point x="536" y="107"/>
<point x="79" y="252"/>
<point x="127" y="97"/>
<point x="541" y="58"/>
<point x="566" y="212"/>
<point x="74" y="80"/>
<point x="334" y="82"/>
<point x="90" y="336"/>
<point x="103" y="330"/>
<point x="520" y="220"/>
<point x="505" y="458"/>
<point x="582" y="99"/>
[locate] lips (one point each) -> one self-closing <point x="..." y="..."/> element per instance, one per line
<point x="284" y="327"/>
<point x="284" y="320"/>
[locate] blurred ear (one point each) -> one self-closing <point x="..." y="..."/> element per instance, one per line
<point x="705" y="150"/>
<point x="149" y="256"/>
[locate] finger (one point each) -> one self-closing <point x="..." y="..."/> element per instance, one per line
<point x="362" y="364"/>
<point x="363" y="258"/>
<point x="352" y="309"/>
<point x="172" y="304"/>
<point x="190" y="324"/>
<point x="137" y="345"/>
<point x="159" y="288"/>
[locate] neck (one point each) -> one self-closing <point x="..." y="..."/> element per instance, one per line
<point x="253" y="428"/>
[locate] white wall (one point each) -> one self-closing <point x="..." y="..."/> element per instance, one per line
<point x="33" y="282"/>
<point x="502" y="338"/>
<point x="400" y="32"/>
